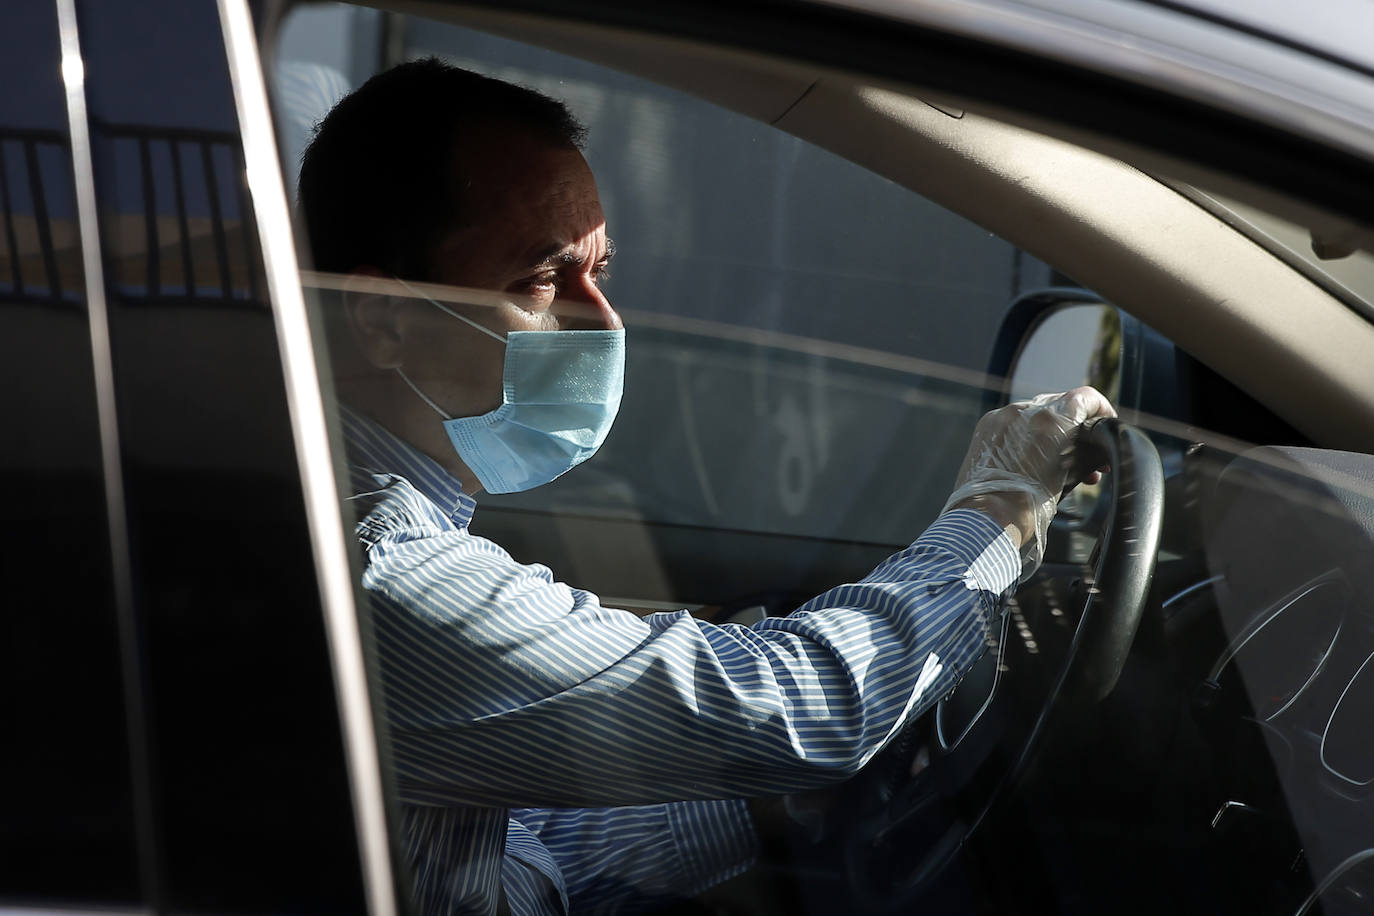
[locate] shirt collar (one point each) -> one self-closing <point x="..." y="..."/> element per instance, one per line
<point x="373" y="449"/>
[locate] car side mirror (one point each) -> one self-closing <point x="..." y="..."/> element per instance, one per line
<point x="1060" y="338"/>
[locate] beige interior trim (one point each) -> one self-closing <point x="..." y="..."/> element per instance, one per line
<point x="1131" y="239"/>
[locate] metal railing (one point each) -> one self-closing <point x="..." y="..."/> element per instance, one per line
<point x="29" y="145"/>
<point x="176" y="218"/>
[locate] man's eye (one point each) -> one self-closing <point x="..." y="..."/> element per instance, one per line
<point x="602" y="273"/>
<point x="541" y="283"/>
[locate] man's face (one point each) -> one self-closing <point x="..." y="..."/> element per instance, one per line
<point x="535" y="232"/>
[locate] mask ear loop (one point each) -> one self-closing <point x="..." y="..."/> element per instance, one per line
<point x="424" y="397"/>
<point x="448" y="311"/>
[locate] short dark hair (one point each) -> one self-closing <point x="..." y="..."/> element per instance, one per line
<point x="378" y="183"/>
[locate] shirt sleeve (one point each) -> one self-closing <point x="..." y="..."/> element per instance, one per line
<point x="503" y="687"/>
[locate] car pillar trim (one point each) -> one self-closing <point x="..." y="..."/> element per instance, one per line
<point x="313" y="453"/>
<point x="112" y="470"/>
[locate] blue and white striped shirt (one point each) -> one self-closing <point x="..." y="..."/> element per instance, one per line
<point x="520" y="710"/>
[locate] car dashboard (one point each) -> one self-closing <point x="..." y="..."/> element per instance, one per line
<point x="1231" y="769"/>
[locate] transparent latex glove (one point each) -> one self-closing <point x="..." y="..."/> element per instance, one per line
<point x="1020" y="461"/>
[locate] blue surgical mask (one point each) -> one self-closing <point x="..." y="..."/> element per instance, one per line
<point x="560" y="392"/>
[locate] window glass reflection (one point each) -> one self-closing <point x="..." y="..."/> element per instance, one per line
<point x="67" y="828"/>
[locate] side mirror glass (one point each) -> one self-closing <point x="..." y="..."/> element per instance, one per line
<point x="1076" y="344"/>
<point x="1072" y="345"/>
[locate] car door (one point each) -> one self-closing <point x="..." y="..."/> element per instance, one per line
<point x="173" y="738"/>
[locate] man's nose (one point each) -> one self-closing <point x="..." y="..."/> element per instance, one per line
<point x="584" y="307"/>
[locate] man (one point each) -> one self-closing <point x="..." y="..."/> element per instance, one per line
<point x="551" y="753"/>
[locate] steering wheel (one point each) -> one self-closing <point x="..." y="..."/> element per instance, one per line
<point x="905" y="826"/>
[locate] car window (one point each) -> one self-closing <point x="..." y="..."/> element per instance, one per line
<point x="809" y="347"/>
<point x="793" y="320"/>
<point x="67" y="789"/>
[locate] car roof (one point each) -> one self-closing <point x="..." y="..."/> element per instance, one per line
<point x="1335" y="28"/>
<point x="1303" y="67"/>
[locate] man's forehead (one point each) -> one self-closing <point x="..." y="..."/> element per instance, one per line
<point x="525" y="203"/>
<point x="535" y="201"/>
<point x="511" y="161"/>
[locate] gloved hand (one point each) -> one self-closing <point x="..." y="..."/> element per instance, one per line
<point x="1019" y="464"/>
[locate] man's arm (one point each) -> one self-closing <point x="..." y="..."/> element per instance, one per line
<point x="504" y="687"/>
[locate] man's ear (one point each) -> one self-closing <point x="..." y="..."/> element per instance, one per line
<point x="376" y="323"/>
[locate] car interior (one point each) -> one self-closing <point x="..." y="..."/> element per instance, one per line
<point x="1173" y="717"/>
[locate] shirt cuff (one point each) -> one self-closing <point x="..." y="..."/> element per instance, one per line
<point x="716" y="840"/>
<point x="985" y="548"/>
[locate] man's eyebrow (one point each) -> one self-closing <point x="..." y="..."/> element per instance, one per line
<point x="547" y="255"/>
<point x="559" y="254"/>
